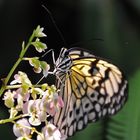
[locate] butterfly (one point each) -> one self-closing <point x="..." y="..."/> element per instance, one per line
<point x="90" y="87"/>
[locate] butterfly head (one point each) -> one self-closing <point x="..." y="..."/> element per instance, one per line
<point x="63" y="62"/>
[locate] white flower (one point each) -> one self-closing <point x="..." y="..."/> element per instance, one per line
<point x="8" y="99"/>
<point x="39" y="32"/>
<point x="21" y="77"/>
<point x="52" y="103"/>
<point x="20" y="128"/>
<point x="36" y="112"/>
<point x="50" y="132"/>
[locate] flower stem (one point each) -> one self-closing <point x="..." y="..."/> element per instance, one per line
<point x="19" y="86"/>
<point x="12" y="119"/>
<point x="22" y="53"/>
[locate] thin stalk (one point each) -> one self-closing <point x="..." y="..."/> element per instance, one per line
<point x="12" y="119"/>
<point x="19" y="86"/>
<point x="23" y="51"/>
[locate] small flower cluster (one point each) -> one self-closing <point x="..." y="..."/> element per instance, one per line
<point x="36" y="103"/>
<point x="30" y="105"/>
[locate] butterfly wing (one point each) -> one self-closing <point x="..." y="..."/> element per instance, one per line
<point x="94" y="88"/>
<point x="79" y="52"/>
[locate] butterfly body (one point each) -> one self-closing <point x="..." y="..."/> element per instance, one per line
<point x="90" y="87"/>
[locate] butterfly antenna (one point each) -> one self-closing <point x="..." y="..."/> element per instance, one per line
<point x="55" y="25"/>
<point x="47" y="52"/>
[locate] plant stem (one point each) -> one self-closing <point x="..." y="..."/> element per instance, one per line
<point x="19" y="86"/>
<point x="22" y="53"/>
<point x="5" y="82"/>
<point x="12" y="119"/>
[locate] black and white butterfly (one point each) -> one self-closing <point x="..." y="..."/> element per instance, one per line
<point x="90" y="87"/>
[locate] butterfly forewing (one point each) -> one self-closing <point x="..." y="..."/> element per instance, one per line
<point x="79" y="52"/>
<point x="91" y="89"/>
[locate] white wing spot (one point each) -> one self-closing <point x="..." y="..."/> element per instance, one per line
<point x="104" y="111"/>
<point x="100" y="114"/>
<point x="119" y="98"/>
<point x="102" y="91"/>
<point x="91" y="116"/>
<point x="109" y="88"/>
<point x="97" y="107"/>
<point x="101" y="100"/>
<point x="85" y="119"/>
<point x="80" y="124"/>
<point x="71" y="130"/>
<point x="107" y="100"/>
<point x="113" y="111"/>
<point x="114" y="82"/>
<point x="109" y="110"/>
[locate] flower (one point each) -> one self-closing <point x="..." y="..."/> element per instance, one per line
<point x="45" y="67"/>
<point x="49" y="132"/>
<point x="21" y="128"/>
<point x="18" y="93"/>
<point x="22" y="78"/>
<point x="35" y="63"/>
<point x="20" y="98"/>
<point x="36" y="113"/>
<point x="38" y="65"/>
<point x="52" y="102"/>
<point x="39" y="46"/>
<point x="8" y="99"/>
<point x="39" y="32"/>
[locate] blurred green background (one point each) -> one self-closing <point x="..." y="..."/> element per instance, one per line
<point x="116" y="22"/>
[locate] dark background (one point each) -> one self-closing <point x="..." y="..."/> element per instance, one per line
<point x="116" y="22"/>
